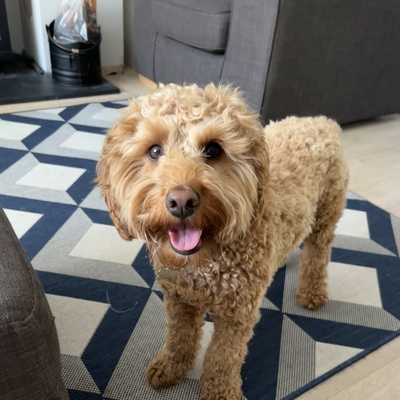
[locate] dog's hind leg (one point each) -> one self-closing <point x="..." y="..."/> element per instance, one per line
<point x="312" y="290"/>
<point x="179" y="352"/>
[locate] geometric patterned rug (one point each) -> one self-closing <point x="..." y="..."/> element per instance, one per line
<point x="108" y="309"/>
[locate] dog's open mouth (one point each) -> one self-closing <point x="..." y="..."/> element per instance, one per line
<point x="184" y="239"/>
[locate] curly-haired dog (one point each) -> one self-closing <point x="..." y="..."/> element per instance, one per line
<point x="221" y="202"/>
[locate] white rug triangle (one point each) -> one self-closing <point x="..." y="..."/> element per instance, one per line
<point x="76" y="376"/>
<point x="266" y="303"/>
<point x="353" y="223"/>
<point x="328" y="356"/>
<point x="22" y="221"/>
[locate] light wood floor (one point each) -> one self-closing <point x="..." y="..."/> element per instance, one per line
<point x="373" y="153"/>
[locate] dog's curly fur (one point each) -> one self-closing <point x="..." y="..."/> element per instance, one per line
<point x="272" y="189"/>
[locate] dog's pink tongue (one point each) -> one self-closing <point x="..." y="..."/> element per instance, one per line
<point x="184" y="238"/>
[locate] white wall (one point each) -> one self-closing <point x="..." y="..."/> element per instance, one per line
<point x="110" y="17"/>
<point x="14" y="25"/>
<point x="32" y="33"/>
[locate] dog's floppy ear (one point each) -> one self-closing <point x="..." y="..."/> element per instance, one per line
<point x="261" y="166"/>
<point x="261" y="152"/>
<point x="252" y="127"/>
<point x="115" y="216"/>
<point x="109" y="158"/>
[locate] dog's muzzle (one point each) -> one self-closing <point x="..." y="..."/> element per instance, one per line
<point x="182" y="201"/>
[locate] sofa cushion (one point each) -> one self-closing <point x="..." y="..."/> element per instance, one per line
<point x="203" y="24"/>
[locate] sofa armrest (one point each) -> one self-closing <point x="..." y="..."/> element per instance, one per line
<point x="249" y="49"/>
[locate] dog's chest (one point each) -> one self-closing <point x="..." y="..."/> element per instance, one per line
<point x="215" y="289"/>
<point x="205" y="285"/>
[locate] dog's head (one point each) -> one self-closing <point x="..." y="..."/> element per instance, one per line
<point x="184" y="169"/>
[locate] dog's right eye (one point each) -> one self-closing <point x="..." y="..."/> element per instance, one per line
<point x="155" y="152"/>
<point x="212" y="150"/>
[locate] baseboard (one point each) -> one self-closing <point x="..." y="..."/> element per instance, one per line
<point x="112" y="69"/>
<point x="147" y="82"/>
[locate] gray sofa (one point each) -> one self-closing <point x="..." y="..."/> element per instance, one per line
<point x="30" y="367"/>
<point x="335" y="57"/>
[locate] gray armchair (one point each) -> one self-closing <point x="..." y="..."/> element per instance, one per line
<point x="304" y="57"/>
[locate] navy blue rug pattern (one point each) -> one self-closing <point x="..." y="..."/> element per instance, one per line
<point x="108" y="307"/>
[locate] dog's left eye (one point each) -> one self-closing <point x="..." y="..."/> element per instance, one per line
<point x="155" y="152"/>
<point x="212" y="150"/>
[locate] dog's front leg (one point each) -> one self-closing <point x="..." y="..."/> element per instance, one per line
<point x="184" y="324"/>
<point x="221" y="378"/>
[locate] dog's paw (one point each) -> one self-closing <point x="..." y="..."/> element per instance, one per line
<point x="213" y="389"/>
<point x="222" y="394"/>
<point x="311" y="301"/>
<point x="163" y="371"/>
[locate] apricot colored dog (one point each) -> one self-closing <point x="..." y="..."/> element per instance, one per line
<point x="221" y="202"/>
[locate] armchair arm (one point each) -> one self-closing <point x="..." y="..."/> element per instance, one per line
<point x="144" y="37"/>
<point x="249" y="49"/>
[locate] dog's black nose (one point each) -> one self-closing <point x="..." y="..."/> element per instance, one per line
<point x="182" y="201"/>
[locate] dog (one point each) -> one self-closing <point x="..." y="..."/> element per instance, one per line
<point x="221" y="201"/>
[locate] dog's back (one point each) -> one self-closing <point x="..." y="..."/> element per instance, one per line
<point x="302" y="150"/>
<point x="307" y="174"/>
